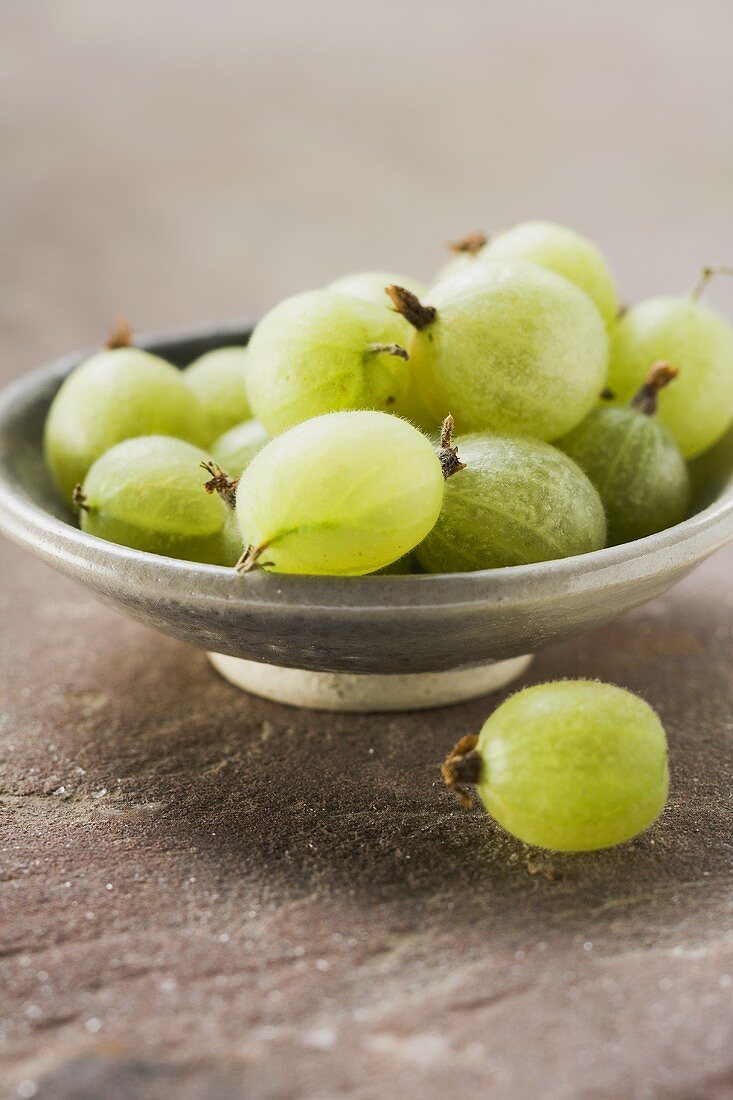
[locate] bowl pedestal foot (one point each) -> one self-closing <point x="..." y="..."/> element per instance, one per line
<point x="348" y="691"/>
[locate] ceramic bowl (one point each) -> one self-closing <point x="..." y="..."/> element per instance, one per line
<point x="365" y="643"/>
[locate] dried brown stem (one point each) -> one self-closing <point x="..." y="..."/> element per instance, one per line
<point x="411" y="308"/>
<point x="120" y="336"/>
<point x="388" y="349"/>
<point x="220" y="483"/>
<point x="471" y="244"/>
<point x="79" y="500"/>
<point x="646" y="399"/>
<point x="450" y="463"/>
<point x="462" y="768"/>
<point x="705" y="276"/>
<point x="250" y="557"/>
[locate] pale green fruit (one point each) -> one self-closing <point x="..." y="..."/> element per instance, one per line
<point x="117" y="394"/>
<point x="552" y="246"/>
<point x="322" y="352"/>
<point x="232" y="546"/>
<point x="508" y="348"/>
<point x="563" y="251"/>
<point x="345" y="493"/>
<point x="217" y="380"/>
<point x="698" y="406"/>
<point x="517" y="501"/>
<point x="573" y="766"/>
<point x="637" y="468"/>
<point x="402" y="567"/>
<point x="234" y="450"/>
<point x="370" y="285"/>
<point x="147" y="493"/>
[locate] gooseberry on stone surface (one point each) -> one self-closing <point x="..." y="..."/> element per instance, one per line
<point x="570" y="766"/>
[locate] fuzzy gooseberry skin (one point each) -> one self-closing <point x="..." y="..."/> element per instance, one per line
<point x="370" y="285"/>
<point x="556" y="248"/>
<point x="563" y="251"/>
<point x="513" y="349"/>
<point x="698" y="406"/>
<point x="312" y="354"/>
<point x="112" y="396"/>
<point x="574" y="765"/>
<point x="235" y="449"/>
<point x="517" y="501"/>
<point x="216" y="379"/>
<point x="345" y="493"/>
<point x="147" y="493"/>
<point x="637" y="468"/>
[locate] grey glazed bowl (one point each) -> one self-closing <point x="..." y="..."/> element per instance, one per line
<point x="382" y="624"/>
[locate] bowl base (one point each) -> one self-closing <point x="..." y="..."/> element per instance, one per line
<point x="348" y="691"/>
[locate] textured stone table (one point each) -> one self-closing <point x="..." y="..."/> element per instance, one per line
<point x="210" y="897"/>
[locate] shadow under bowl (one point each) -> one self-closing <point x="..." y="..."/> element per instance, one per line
<point x="395" y="629"/>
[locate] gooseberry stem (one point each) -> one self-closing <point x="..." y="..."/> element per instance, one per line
<point x="462" y="768"/>
<point x="220" y="483"/>
<point x="120" y="336"/>
<point x="79" y="500"/>
<point x="411" y="308"/>
<point x="607" y="394"/>
<point x="471" y="244"/>
<point x="387" y="349"/>
<point x="646" y="399"/>
<point x="450" y="463"/>
<point x="250" y="557"/>
<point x="705" y="276"/>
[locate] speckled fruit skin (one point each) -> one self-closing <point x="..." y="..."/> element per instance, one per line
<point x="513" y="349"/>
<point x="346" y="493"/>
<point x="370" y="286"/>
<point x="517" y="501"/>
<point x="556" y="248"/>
<point x="148" y="493"/>
<point x="574" y="765"/>
<point x="216" y="379"/>
<point x="698" y="406"/>
<point x="311" y="355"/>
<point x="234" y="450"/>
<point x="116" y="395"/>
<point x="637" y="468"/>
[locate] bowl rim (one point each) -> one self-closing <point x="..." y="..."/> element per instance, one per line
<point x="69" y="549"/>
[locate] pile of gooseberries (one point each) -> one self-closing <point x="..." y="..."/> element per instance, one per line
<point x="508" y="414"/>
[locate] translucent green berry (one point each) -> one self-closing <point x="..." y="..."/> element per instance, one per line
<point x="234" y="450"/>
<point x="517" y="501"/>
<point x="569" y="766"/>
<point x="148" y="494"/>
<point x="634" y="463"/>
<point x="117" y="394"/>
<point x="216" y="379"/>
<point x="322" y="352"/>
<point x="346" y="493"/>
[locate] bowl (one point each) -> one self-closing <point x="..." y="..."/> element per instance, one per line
<point x="348" y="643"/>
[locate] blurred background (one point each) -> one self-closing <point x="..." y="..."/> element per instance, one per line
<point x="187" y="161"/>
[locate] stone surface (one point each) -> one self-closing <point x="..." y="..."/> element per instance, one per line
<point x="207" y="896"/>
